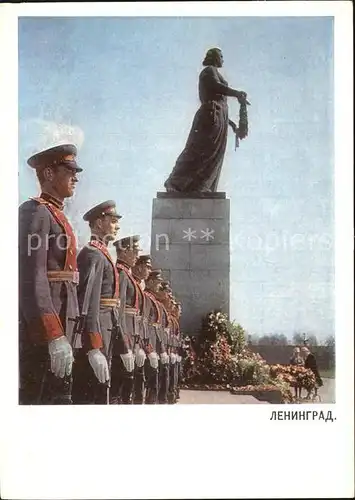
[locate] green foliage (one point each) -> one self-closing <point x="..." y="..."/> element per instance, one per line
<point x="236" y="337"/>
<point x="216" y="325"/>
<point x="251" y="368"/>
<point x="219" y="355"/>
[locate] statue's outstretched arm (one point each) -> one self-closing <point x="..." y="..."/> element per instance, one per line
<point x="218" y="87"/>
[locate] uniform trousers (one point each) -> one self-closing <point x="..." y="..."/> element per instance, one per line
<point x="86" y="387"/>
<point x="179" y="371"/>
<point x="38" y="385"/>
<point x="164" y="370"/>
<point x="139" y="383"/>
<point x="122" y="383"/>
<point x="173" y="378"/>
<point x="152" y="383"/>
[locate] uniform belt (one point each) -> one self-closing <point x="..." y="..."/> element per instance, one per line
<point x="154" y="324"/>
<point x="130" y="310"/>
<point x="107" y="302"/>
<point x="72" y="276"/>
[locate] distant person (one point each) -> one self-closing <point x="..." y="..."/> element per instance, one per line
<point x="297" y="360"/>
<point x="311" y="363"/>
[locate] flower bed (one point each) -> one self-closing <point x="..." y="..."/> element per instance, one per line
<point x="218" y="359"/>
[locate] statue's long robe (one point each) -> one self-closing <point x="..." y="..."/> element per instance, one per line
<point x="199" y="165"/>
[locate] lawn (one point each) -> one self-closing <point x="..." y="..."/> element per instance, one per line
<point x="327" y="373"/>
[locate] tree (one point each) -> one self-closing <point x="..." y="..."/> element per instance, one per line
<point x="253" y="339"/>
<point x="330" y="345"/>
<point x="273" y="339"/>
<point x="312" y="340"/>
<point x="299" y="338"/>
<point x="330" y="341"/>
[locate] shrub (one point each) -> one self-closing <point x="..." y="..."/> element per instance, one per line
<point x="218" y="356"/>
<point x="236" y="337"/>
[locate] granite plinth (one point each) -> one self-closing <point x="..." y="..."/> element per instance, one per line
<point x="192" y="195"/>
<point x="190" y="243"/>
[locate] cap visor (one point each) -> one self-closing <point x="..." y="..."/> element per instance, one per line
<point x="117" y="216"/>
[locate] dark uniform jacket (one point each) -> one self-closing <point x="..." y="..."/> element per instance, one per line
<point x="47" y="272"/>
<point x="102" y="323"/>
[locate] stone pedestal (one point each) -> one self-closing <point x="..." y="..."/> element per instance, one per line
<point x="190" y="243"/>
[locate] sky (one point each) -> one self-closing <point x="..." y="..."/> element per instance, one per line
<point x="124" y="90"/>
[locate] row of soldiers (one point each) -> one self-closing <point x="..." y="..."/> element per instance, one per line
<point x="92" y="330"/>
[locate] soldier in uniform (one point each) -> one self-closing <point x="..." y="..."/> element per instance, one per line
<point x="174" y="355"/>
<point x="140" y="272"/>
<point x="98" y="293"/>
<point x="178" y="310"/>
<point x="150" y="321"/>
<point x="169" y="303"/>
<point x="127" y="253"/>
<point x="155" y="334"/>
<point x="48" y="277"/>
<point x="164" y="369"/>
<point x="159" y="383"/>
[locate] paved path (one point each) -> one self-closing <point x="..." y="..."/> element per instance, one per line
<point x="215" y="397"/>
<point x="327" y="394"/>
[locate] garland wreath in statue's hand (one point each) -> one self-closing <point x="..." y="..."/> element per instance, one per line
<point x="242" y="130"/>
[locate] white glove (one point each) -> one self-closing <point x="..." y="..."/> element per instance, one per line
<point x="164" y="358"/>
<point x="128" y="361"/>
<point x="140" y="357"/>
<point x="61" y="355"/>
<point x="99" y="364"/>
<point x="153" y="359"/>
<point x="178" y="358"/>
<point x="172" y="358"/>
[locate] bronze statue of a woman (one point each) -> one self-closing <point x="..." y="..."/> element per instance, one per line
<point x="198" y="167"/>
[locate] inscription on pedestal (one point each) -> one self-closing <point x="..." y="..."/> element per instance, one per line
<point x="190" y="243"/>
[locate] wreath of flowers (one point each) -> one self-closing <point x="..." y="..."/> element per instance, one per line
<point x="296" y="376"/>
